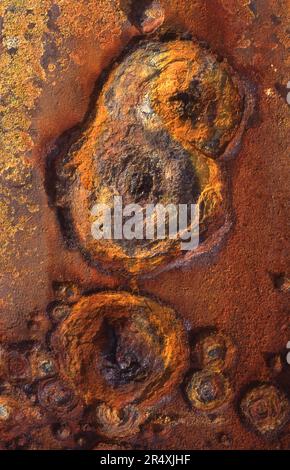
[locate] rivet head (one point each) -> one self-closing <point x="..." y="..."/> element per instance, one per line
<point x="266" y="409"/>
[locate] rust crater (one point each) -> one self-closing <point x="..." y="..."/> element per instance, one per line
<point x="120" y="349"/>
<point x="166" y="120"/>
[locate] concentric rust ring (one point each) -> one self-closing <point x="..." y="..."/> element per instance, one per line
<point x="208" y="391"/>
<point x="57" y="397"/>
<point x="214" y="351"/>
<point x="121" y="349"/>
<point x="266" y="409"/>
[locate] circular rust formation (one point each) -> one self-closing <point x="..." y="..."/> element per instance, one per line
<point x="48" y="69"/>
<point x="66" y="292"/>
<point x="56" y="396"/>
<point x="266" y="409"/>
<point x="43" y="364"/>
<point x="118" y="348"/>
<point x="214" y="351"/>
<point x="17" y="367"/>
<point x="208" y="391"/>
<point x="27" y="367"/>
<point x="115" y="423"/>
<point x="164" y="116"/>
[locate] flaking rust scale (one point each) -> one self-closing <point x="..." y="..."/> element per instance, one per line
<point x="117" y="343"/>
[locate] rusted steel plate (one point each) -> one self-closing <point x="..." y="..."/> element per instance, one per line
<point x="117" y="344"/>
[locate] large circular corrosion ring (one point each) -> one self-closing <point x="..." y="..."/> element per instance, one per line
<point x="166" y="118"/>
<point x="121" y="349"/>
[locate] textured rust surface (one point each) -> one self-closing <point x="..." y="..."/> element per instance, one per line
<point x="164" y="117"/>
<point x="111" y="347"/>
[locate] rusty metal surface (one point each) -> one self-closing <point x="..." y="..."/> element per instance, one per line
<point x="105" y="347"/>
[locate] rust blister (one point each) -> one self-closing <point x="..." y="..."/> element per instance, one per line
<point x="209" y="391"/>
<point x="57" y="397"/>
<point x="118" y="348"/>
<point x="215" y="351"/>
<point x="167" y="114"/>
<point x="266" y="409"/>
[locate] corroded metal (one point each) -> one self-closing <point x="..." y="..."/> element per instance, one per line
<point x="208" y="391"/>
<point x="137" y="345"/>
<point x="214" y="351"/>
<point x="164" y="116"/>
<point x="120" y="349"/>
<point x="266" y="408"/>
